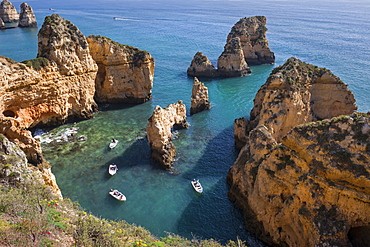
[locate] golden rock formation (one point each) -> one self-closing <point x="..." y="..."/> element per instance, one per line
<point x="201" y="66"/>
<point x="8" y="12"/>
<point x="27" y="17"/>
<point x="199" y="97"/>
<point x="125" y="73"/>
<point x="252" y="34"/>
<point x="159" y="132"/>
<point x="304" y="183"/>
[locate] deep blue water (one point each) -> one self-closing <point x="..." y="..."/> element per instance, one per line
<point x="331" y="34"/>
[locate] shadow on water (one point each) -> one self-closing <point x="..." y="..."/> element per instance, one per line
<point x="211" y="213"/>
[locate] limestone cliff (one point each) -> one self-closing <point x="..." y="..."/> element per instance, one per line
<point x="159" y="133"/>
<point x="201" y="66"/>
<point x="199" y="97"/>
<point x="125" y="73"/>
<point x="231" y="62"/>
<point x="27" y="18"/>
<point x="252" y="34"/>
<point x="296" y="93"/>
<point x="8" y="12"/>
<point x="312" y="189"/>
<point x="58" y="85"/>
<point x="16" y="171"/>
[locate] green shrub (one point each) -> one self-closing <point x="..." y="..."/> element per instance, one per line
<point x="37" y="63"/>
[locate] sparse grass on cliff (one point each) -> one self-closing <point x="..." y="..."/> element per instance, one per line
<point x="32" y="216"/>
<point x="37" y="63"/>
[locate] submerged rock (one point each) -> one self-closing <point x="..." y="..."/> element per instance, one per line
<point x="199" y="97"/>
<point x="125" y="73"/>
<point x="27" y="18"/>
<point x="8" y="12"/>
<point x="231" y="62"/>
<point x="159" y="131"/>
<point x="252" y="34"/>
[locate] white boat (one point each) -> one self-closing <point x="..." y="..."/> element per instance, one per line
<point x="197" y="186"/>
<point x="112" y="169"/>
<point x="118" y="195"/>
<point x="113" y="143"/>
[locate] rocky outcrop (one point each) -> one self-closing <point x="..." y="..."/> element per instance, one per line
<point x="16" y="171"/>
<point x="231" y="62"/>
<point x="199" y="97"/>
<point x="296" y="93"/>
<point x="27" y="18"/>
<point x="252" y="34"/>
<point x="57" y="86"/>
<point x="8" y="12"/>
<point x="201" y="66"/>
<point x="159" y="131"/>
<point x="302" y="176"/>
<point x="312" y="189"/>
<point x="125" y="73"/>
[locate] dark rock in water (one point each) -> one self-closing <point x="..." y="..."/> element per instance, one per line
<point x="27" y="18"/>
<point x="8" y="12"/>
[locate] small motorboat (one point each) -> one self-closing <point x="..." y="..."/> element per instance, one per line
<point x="112" y="169"/>
<point x="113" y="143"/>
<point x="118" y="195"/>
<point x="197" y="186"/>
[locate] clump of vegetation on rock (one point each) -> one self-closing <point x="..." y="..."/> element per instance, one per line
<point x="37" y="63"/>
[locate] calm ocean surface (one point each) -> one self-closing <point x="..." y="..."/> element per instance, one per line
<point x="331" y="34"/>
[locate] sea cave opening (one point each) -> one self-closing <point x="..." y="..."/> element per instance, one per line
<point x="359" y="236"/>
<point x="9" y="113"/>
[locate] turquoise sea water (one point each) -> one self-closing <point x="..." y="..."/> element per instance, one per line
<point x="331" y="34"/>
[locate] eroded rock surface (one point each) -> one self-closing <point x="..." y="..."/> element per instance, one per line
<point x="297" y="93"/>
<point x="15" y="169"/>
<point x="125" y="73"/>
<point x="302" y="175"/>
<point x="58" y="85"/>
<point x="159" y="131"/>
<point x="231" y="62"/>
<point x="199" y="97"/>
<point x="201" y="66"/>
<point x="312" y="189"/>
<point x="2" y="24"/>
<point x="252" y="34"/>
<point x="8" y="12"/>
<point x="27" y="17"/>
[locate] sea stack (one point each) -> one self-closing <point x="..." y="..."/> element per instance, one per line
<point x="27" y="18"/>
<point x="199" y="97"/>
<point x="159" y="131"/>
<point x="231" y="62"/>
<point x="201" y="66"/>
<point x="125" y="73"/>
<point x="8" y="12"/>
<point x="252" y="34"/>
<point x="302" y="175"/>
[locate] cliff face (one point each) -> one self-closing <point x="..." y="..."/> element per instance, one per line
<point x="199" y="97"/>
<point x="16" y="171"/>
<point x="313" y="189"/>
<point x="296" y="93"/>
<point x="27" y="18"/>
<point x="47" y="93"/>
<point x="159" y="131"/>
<point x="125" y="73"/>
<point x="303" y="183"/>
<point x="231" y="62"/>
<point x="8" y="12"/>
<point x="2" y="24"/>
<point x="252" y="34"/>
